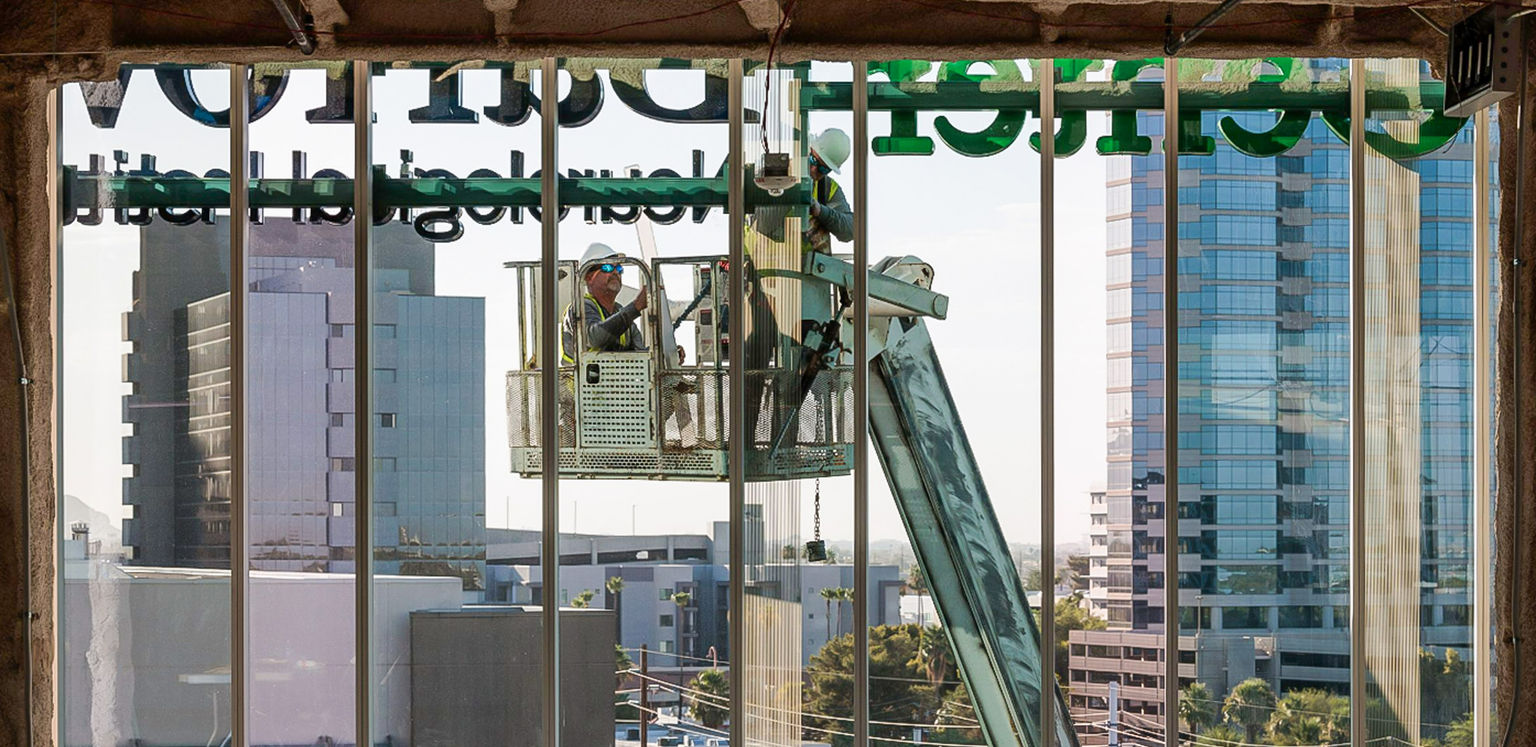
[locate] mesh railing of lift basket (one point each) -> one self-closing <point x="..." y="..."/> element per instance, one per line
<point x="824" y="417"/>
<point x="693" y="411"/>
<point x="524" y="411"/>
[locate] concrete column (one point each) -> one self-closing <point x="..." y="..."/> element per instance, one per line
<point x="1515" y="440"/>
<point x="26" y="527"/>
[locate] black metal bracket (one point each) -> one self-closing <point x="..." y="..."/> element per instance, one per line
<point x="1172" y="46"/>
<point x="300" y="23"/>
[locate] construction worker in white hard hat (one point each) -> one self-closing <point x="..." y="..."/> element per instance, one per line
<point x="607" y="326"/>
<point x="830" y="214"/>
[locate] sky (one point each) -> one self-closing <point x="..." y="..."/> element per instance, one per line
<point x="976" y="220"/>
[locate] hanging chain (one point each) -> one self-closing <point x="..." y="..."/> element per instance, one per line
<point x="817" y="514"/>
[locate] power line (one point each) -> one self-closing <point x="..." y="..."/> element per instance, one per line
<point x="674" y="687"/>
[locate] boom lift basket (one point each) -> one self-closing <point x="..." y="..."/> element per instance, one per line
<point x="646" y="415"/>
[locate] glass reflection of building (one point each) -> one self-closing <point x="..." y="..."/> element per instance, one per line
<point x="429" y="466"/>
<point x="1264" y="372"/>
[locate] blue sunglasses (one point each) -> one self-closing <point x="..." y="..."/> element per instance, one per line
<point x="616" y="269"/>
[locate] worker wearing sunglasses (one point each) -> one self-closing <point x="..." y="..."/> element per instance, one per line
<point x="608" y="325"/>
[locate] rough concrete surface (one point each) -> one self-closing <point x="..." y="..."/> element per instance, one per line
<point x="143" y="31"/>
<point x="45" y="43"/>
<point x="1515" y="449"/>
<point x="24" y="223"/>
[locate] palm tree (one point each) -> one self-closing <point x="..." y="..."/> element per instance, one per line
<point x="1250" y="705"/>
<point x="1299" y="731"/>
<point x="1329" y="710"/>
<point x="1460" y="734"/>
<point x="828" y="594"/>
<point x="622" y="663"/>
<point x="712" y="694"/>
<point x="584" y="599"/>
<point x="1197" y="709"/>
<point x="1219" y="735"/>
<point x="615" y="587"/>
<point x="933" y="654"/>
<point x="681" y="599"/>
<point x="843" y="594"/>
<point x="918" y="583"/>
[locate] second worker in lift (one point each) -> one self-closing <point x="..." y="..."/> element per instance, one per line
<point x="830" y="214"/>
<point x="606" y="325"/>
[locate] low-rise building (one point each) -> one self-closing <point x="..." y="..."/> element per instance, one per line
<point x="656" y="568"/>
<point x="1114" y="676"/>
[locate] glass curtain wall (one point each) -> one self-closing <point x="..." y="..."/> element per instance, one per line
<point x="457" y="508"/>
<point x="301" y="531"/>
<point x="644" y="509"/>
<point x="1101" y="423"/>
<point x="1419" y="238"/>
<point x="452" y="327"/>
<point x="797" y="652"/>
<point x="144" y="410"/>
<point x="1263" y="369"/>
<point x="1487" y="326"/>
<point x="954" y="209"/>
<point x="1110" y="628"/>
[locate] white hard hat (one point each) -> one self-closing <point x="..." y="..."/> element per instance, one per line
<point x="832" y="147"/>
<point x="597" y="251"/>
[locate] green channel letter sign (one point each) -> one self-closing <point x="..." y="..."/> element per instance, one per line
<point x="1273" y="84"/>
<point x="440" y="203"/>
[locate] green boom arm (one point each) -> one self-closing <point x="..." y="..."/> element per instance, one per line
<point x="960" y="547"/>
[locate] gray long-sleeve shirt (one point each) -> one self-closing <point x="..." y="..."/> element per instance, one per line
<point x="835" y="217"/>
<point x="605" y="332"/>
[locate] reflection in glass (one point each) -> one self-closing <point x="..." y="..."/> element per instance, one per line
<point x="643" y="380"/>
<point x="1418" y="399"/>
<point x="1263" y="410"/>
<point x="300" y="368"/>
<point x="144" y="636"/>
<point x="456" y="647"/>
<point x="1113" y="650"/>
<point x="951" y="401"/>
<point x="1263" y="511"/>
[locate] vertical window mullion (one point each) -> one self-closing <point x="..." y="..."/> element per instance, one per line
<point x="861" y="401"/>
<point x="1047" y="81"/>
<point x="1357" y="622"/>
<point x="549" y="381"/>
<point x="736" y="405"/>
<point x="239" y="326"/>
<point x="1482" y="326"/>
<point x="362" y="409"/>
<point x="1171" y="402"/>
<point x="56" y="242"/>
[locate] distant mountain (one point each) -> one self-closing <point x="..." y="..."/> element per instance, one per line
<point x="104" y="528"/>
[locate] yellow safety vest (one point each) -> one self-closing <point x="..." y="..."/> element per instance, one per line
<point x="565" y="355"/>
<point x="830" y="192"/>
<point x="805" y="246"/>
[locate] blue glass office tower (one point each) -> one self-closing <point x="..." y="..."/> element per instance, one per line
<point x="429" y="368"/>
<point x="1264" y="399"/>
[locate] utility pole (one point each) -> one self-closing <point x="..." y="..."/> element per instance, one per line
<point x="1114" y="713"/>
<point x="645" y="690"/>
